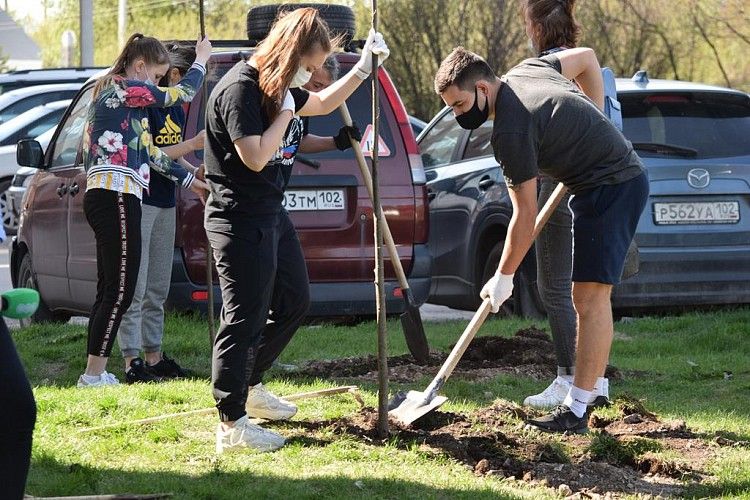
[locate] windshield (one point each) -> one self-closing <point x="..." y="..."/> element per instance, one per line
<point x="713" y="125"/>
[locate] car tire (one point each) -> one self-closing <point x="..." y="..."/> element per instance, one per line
<point x="10" y="221"/>
<point x="340" y="19"/>
<point x="43" y="313"/>
<point x="525" y="301"/>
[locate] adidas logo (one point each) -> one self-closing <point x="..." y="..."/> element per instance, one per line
<point x="170" y="133"/>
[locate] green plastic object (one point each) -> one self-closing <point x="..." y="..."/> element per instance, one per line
<point x="19" y="303"/>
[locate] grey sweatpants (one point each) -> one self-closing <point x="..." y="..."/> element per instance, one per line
<point x="142" y="326"/>
<point x="554" y="268"/>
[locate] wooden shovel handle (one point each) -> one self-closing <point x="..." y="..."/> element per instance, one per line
<point x="484" y="310"/>
<point x="387" y="236"/>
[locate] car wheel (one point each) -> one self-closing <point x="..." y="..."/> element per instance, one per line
<point x="43" y="313"/>
<point x="340" y="19"/>
<point x="525" y="300"/>
<point x="10" y="221"/>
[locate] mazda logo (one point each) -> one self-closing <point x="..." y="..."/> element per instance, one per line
<point x="698" y="178"/>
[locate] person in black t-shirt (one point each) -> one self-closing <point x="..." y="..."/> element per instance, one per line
<point x="251" y="143"/>
<point x="543" y="123"/>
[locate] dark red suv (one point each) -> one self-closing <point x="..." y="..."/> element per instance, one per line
<point x="54" y="251"/>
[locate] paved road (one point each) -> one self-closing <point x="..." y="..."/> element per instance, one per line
<point x="430" y="312"/>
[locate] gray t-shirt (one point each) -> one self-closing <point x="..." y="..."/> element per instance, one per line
<point x="545" y="125"/>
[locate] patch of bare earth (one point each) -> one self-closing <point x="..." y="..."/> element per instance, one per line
<point x="631" y="453"/>
<point x="528" y="353"/>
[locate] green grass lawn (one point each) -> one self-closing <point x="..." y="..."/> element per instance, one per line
<point x="676" y="364"/>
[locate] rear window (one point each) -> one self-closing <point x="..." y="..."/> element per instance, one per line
<point x="714" y="125"/>
<point x="360" y="108"/>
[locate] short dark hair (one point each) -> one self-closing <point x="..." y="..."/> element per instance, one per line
<point x="462" y="68"/>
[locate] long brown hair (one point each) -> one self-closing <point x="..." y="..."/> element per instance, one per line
<point x="277" y="57"/>
<point x="149" y="49"/>
<point x="553" y="21"/>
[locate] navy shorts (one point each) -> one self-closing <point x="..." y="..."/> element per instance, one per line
<point x="604" y="223"/>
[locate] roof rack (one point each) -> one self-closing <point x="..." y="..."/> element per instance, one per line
<point x="231" y="44"/>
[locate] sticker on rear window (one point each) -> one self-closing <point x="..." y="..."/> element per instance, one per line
<point x="368" y="141"/>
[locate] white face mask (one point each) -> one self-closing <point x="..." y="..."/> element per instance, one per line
<point x="301" y="77"/>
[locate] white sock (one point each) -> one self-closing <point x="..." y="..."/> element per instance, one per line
<point x="577" y="400"/>
<point x="567" y="378"/>
<point x="91" y="378"/>
<point x="601" y="388"/>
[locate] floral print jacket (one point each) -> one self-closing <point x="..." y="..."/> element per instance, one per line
<point x="118" y="151"/>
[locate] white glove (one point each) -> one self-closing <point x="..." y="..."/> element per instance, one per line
<point x="374" y="45"/>
<point x="288" y="103"/>
<point x="498" y="289"/>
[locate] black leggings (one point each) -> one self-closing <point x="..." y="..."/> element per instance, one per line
<point x="17" y="419"/>
<point x="116" y="221"/>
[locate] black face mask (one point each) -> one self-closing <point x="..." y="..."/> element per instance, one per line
<point x="475" y="117"/>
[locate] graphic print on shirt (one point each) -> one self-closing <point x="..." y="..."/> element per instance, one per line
<point x="284" y="157"/>
<point x="169" y="134"/>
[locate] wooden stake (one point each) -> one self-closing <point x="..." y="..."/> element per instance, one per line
<point x="379" y="272"/>
<point x="351" y="389"/>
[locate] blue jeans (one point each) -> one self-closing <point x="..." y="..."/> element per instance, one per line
<point x="554" y="267"/>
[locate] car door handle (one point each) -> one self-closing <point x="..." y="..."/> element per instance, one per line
<point x="486" y="183"/>
<point x="62" y="190"/>
<point x="74" y="189"/>
<point x="431" y="194"/>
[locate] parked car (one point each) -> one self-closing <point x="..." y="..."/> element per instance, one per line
<point x="54" y="251"/>
<point x="25" y="78"/>
<point x="693" y="236"/>
<point x="469" y="215"/>
<point x="25" y="126"/>
<point x="22" y="178"/>
<point x="19" y="101"/>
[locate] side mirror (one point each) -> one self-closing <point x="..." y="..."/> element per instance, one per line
<point x="29" y="153"/>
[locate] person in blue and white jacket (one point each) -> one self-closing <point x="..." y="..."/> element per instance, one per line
<point x="119" y="153"/>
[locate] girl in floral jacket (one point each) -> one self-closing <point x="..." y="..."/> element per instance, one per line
<point x="118" y="155"/>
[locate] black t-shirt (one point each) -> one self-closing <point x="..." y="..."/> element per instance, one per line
<point x="166" y="129"/>
<point x="545" y="124"/>
<point x="235" y="111"/>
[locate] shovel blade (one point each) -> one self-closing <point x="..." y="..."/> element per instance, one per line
<point x="414" y="407"/>
<point x="411" y="323"/>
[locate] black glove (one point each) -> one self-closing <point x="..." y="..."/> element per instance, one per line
<point x="342" y="140"/>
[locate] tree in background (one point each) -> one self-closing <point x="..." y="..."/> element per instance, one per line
<point x="698" y="40"/>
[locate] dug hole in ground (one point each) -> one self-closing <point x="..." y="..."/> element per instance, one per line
<point x="629" y="450"/>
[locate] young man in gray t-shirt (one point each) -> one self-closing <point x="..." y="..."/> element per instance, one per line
<point x="544" y="124"/>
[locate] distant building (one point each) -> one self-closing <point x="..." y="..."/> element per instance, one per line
<point x="17" y="46"/>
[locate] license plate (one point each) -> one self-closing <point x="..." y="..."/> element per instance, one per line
<point x="698" y="212"/>
<point x="314" y="199"/>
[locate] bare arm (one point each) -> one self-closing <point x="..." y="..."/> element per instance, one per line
<point x="580" y="64"/>
<point x="256" y="151"/>
<point x="327" y="100"/>
<point x="183" y="148"/>
<point x="520" y="231"/>
<point x="188" y="166"/>
<point x="316" y="144"/>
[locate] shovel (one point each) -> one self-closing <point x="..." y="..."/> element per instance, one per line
<point x="406" y="408"/>
<point x="411" y="321"/>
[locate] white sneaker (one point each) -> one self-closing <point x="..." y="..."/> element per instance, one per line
<point x="550" y="397"/>
<point x="97" y="381"/>
<point x="262" y="404"/>
<point x="247" y="435"/>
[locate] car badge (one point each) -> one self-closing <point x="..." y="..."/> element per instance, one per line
<point x="698" y="178"/>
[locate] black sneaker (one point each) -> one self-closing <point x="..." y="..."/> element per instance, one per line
<point x="168" y="368"/>
<point x="599" y="402"/>
<point x="139" y="372"/>
<point x="561" y="419"/>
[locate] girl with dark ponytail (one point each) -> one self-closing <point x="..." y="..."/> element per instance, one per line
<point x="119" y="154"/>
<point x="551" y="27"/>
